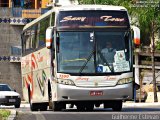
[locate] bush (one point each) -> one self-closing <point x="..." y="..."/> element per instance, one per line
<point x="158" y="45"/>
<point x="4" y="114"/>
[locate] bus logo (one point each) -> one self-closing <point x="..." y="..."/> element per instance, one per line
<point x="82" y="78"/>
<point x="70" y="18"/>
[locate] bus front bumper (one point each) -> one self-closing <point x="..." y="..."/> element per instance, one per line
<point x="74" y="93"/>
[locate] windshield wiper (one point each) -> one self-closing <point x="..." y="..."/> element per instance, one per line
<point x="89" y="57"/>
<point x="84" y="65"/>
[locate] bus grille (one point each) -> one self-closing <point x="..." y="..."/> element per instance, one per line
<point x="96" y="83"/>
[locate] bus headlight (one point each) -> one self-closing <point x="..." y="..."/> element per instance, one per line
<point x="124" y="81"/>
<point x="66" y="81"/>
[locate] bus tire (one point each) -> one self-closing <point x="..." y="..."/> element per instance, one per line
<point x="80" y="107"/>
<point x="117" y="106"/>
<point x="58" y="106"/>
<point x="43" y="107"/>
<point x="108" y="104"/>
<point x="89" y="107"/>
<point x="33" y="106"/>
<point x="49" y="96"/>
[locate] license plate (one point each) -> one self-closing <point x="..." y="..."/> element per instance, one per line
<point x="96" y="93"/>
<point x="12" y="100"/>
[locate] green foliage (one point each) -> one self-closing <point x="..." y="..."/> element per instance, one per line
<point x="158" y="45"/>
<point x="105" y="2"/>
<point x="4" y="114"/>
<point x="148" y="58"/>
<point x="145" y="15"/>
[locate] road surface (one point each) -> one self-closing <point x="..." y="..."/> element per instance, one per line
<point x="131" y="111"/>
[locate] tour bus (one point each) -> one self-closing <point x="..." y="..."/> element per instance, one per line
<point x="63" y="63"/>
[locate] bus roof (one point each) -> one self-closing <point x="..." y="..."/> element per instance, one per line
<point x="91" y="7"/>
<point x="76" y="7"/>
<point x="37" y="19"/>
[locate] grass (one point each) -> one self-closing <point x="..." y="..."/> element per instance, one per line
<point x="4" y="114"/>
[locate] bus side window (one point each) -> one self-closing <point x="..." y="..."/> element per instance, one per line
<point x="27" y="38"/>
<point x="37" y="35"/>
<point x="23" y="43"/>
<point x="52" y="19"/>
<point x="34" y="36"/>
<point x="44" y="24"/>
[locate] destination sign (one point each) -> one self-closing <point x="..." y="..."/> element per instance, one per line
<point x="84" y="19"/>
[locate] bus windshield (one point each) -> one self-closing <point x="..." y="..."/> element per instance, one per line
<point x="94" y="52"/>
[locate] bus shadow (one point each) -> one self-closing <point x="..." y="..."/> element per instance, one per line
<point x="142" y="109"/>
<point x="139" y="109"/>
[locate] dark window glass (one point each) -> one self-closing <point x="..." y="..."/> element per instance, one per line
<point x="15" y="50"/>
<point x="4" y="3"/>
<point x="27" y="38"/>
<point x="34" y="36"/>
<point x="78" y="50"/>
<point x="17" y="3"/>
<point x="5" y="88"/>
<point x="53" y="19"/>
<point x="44" y="24"/>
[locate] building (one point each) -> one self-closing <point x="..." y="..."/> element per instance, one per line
<point x="14" y="14"/>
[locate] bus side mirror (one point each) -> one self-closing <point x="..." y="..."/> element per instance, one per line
<point x="49" y="37"/>
<point x="136" y="38"/>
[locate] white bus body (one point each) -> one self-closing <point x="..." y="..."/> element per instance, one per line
<point x="65" y="65"/>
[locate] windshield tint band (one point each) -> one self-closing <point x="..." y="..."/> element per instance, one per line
<point x="92" y="19"/>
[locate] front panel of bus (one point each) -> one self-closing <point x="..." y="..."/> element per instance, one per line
<point x="85" y="67"/>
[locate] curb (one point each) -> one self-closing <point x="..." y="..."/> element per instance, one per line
<point x="23" y="102"/>
<point x="12" y="115"/>
<point x="140" y="104"/>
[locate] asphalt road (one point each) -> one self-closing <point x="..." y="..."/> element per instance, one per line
<point x="131" y="111"/>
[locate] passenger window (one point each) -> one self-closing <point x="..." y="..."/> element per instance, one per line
<point x="43" y="26"/>
<point x="52" y="19"/>
<point x="34" y="36"/>
<point x="28" y="39"/>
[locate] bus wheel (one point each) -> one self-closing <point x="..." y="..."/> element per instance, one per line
<point x="33" y="107"/>
<point x="50" y="96"/>
<point x="89" y="107"/>
<point x="58" y="106"/>
<point x="80" y="107"/>
<point x="50" y="101"/>
<point x="117" y="106"/>
<point x="43" y="106"/>
<point x="108" y="104"/>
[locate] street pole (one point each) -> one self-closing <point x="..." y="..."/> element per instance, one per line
<point x="141" y="78"/>
<point x="153" y="64"/>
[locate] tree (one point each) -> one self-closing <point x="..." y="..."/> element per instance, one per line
<point x="148" y="17"/>
<point x="144" y="15"/>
